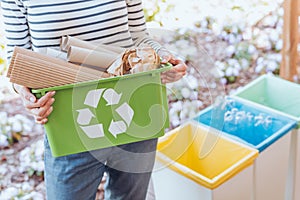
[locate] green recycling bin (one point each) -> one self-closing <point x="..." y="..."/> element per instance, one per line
<point x="281" y="96"/>
<point x="107" y="112"/>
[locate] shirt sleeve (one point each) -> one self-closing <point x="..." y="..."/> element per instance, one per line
<point x="137" y="25"/>
<point x="14" y="16"/>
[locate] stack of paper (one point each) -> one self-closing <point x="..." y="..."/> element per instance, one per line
<point x="77" y="61"/>
<point x="35" y="70"/>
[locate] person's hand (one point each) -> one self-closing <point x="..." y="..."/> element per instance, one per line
<point x="176" y="72"/>
<point x="39" y="108"/>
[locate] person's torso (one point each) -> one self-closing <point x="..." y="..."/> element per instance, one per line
<point x="101" y="21"/>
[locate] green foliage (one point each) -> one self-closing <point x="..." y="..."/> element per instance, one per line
<point x="2" y="60"/>
<point x="151" y="13"/>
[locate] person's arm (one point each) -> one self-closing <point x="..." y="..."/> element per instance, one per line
<point x="16" y="27"/>
<point x="140" y="35"/>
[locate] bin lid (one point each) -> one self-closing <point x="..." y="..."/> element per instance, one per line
<point x="181" y="150"/>
<point x="275" y="93"/>
<point x="245" y="122"/>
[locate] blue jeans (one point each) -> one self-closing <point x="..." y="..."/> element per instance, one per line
<point x="77" y="176"/>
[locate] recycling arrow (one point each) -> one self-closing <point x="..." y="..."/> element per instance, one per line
<point x="111" y="97"/>
<point x="117" y="127"/>
<point x="93" y="97"/>
<point x="85" y="116"/>
<point x="93" y="131"/>
<point x="126" y="112"/>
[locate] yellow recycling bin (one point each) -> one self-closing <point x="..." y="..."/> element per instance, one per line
<point x="197" y="163"/>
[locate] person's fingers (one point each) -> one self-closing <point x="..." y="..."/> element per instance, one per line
<point x="44" y="119"/>
<point x="42" y="111"/>
<point x="180" y="66"/>
<point x="170" y="73"/>
<point x="26" y="94"/>
<point x="41" y="121"/>
<point x="174" y="72"/>
<point x="168" y="78"/>
<point x="41" y="102"/>
<point x="45" y="114"/>
<point x="166" y="58"/>
<point x="165" y="55"/>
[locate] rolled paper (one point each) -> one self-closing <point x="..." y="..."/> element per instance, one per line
<point x="88" y="57"/>
<point x="56" y="54"/>
<point x="63" y="42"/>
<point x="73" y="41"/>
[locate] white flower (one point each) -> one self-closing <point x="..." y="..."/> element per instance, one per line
<point x="229" y="71"/>
<point x="279" y="45"/>
<point x="251" y="49"/>
<point x="3" y="169"/>
<point x="244" y="63"/>
<point x="223" y="81"/>
<point x="272" y="66"/>
<point x="192" y="82"/>
<point x="175" y="122"/>
<point x="194" y="95"/>
<point x="31" y="158"/>
<point x="9" y="193"/>
<point x="247" y="34"/>
<point x="185" y="92"/>
<point x="26" y="186"/>
<point x="237" y="66"/>
<point x="37" y="196"/>
<point x="3" y="118"/>
<point x="235" y="72"/>
<point x="232" y="62"/>
<point x="263" y="41"/>
<point x="177" y="105"/>
<point x="278" y="57"/>
<point x="232" y="39"/>
<point x="280" y="12"/>
<point x="274" y="35"/>
<point x="3" y="141"/>
<point x="204" y="23"/>
<point x="230" y="50"/>
<point x="40" y="166"/>
<point x="259" y="60"/>
<point x="270" y="20"/>
<point x="220" y="65"/>
<point x="7" y="129"/>
<point x="259" y="68"/>
<point x="17" y="126"/>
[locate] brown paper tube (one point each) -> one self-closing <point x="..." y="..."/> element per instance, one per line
<point x="72" y="41"/>
<point x="56" y="54"/>
<point x="88" y="57"/>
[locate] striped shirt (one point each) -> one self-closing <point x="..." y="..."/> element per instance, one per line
<point x="38" y="24"/>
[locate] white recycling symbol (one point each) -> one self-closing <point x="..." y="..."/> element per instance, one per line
<point x="112" y="98"/>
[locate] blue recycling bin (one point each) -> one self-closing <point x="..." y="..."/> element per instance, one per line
<point x="279" y="95"/>
<point x="268" y="132"/>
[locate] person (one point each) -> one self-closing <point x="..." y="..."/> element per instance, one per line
<point x="36" y="25"/>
